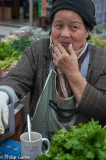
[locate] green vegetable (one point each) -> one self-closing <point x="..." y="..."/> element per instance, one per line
<point x="88" y="142"/>
<point x="96" y="40"/>
<point x="100" y="31"/>
<point x="21" y="44"/>
<point x="7" y="63"/>
<point x="7" y="52"/>
<point x="10" y="52"/>
<point x="8" y="55"/>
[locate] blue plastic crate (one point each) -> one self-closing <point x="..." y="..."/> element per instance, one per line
<point x="10" y="149"/>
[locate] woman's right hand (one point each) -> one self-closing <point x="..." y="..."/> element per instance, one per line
<point x="67" y="62"/>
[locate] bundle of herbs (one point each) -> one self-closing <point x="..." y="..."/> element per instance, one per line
<point x="8" y="55"/>
<point x="10" y="51"/>
<point x="88" y="142"/>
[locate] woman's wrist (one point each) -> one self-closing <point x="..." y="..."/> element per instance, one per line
<point x="78" y="84"/>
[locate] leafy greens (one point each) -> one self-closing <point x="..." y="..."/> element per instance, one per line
<point x="88" y="142"/>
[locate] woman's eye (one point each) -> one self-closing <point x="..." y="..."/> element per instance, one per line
<point x="74" y="27"/>
<point x="58" y="25"/>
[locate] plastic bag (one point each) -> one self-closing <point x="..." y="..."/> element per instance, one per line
<point x="23" y="32"/>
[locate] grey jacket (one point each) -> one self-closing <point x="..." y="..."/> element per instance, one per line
<point x="32" y="70"/>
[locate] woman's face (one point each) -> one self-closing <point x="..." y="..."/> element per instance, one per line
<point x="68" y="27"/>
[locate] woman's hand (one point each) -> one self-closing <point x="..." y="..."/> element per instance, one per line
<point x="67" y="62"/>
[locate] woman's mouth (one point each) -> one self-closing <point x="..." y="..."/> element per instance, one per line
<point x="65" y="44"/>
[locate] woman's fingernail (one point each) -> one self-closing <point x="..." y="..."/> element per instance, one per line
<point x="70" y="45"/>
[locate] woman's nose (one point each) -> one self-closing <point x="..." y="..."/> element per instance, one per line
<point x="65" y="32"/>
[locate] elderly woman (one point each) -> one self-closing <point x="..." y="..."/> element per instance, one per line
<point x="65" y="75"/>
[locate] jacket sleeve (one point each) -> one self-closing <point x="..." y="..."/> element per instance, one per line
<point x="93" y="101"/>
<point x="20" y="78"/>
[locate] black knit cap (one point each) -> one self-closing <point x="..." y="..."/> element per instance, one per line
<point x="85" y="8"/>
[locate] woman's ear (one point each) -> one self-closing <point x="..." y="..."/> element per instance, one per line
<point x="88" y="33"/>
